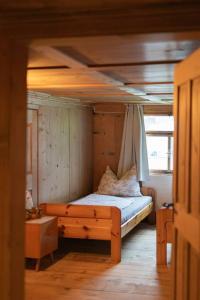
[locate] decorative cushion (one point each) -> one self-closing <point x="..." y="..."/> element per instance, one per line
<point x="126" y="186"/>
<point x="29" y="200"/>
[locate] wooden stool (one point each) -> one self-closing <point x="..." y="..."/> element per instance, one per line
<point x="41" y="238"/>
<point x="164" y="233"/>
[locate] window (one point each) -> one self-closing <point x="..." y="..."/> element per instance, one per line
<point x="159" y="133"/>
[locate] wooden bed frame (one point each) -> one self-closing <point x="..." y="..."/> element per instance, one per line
<point x="97" y="222"/>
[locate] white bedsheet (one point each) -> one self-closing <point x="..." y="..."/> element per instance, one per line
<point x="129" y="206"/>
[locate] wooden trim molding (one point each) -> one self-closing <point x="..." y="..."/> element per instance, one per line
<point x="36" y="99"/>
<point x="158" y="110"/>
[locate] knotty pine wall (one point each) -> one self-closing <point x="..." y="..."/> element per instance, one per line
<point x="75" y="146"/>
<point x="108" y="129"/>
<point x="65" y="156"/>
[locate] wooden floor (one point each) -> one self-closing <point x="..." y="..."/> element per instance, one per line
<point x="91" y="276"/>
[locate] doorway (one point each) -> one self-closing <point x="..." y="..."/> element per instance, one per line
<point x="13" y="130"/>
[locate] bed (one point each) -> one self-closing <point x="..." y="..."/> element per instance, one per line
<point x="102" y="217"/>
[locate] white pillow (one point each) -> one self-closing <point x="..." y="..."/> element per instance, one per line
<point x="126" y="186"/>
<point x="29" y="200"/>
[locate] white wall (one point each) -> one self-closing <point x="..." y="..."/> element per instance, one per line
<point x="162" y="183"/>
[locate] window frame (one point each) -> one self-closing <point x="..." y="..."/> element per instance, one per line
<point x="169" y="135"/>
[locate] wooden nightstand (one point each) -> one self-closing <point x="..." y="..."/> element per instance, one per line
<point x="41" y="238"/>
<point x="164" y="233"/>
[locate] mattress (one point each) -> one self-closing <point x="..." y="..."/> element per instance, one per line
<point x="129" y="206"/>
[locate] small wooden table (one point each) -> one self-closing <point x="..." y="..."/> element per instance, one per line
<point x="164" y="233"/>
<point x="41" y="238"/>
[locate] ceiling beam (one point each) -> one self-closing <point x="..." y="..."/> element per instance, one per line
<point x="70" y="62"/>
<point x="47" y="67"/>
<point x="98" y="67"/>
<point x="149" y="83"/>
<point x="132" y="64"/>
<point x="158" y="94"/>
<point x="67" y="60"/>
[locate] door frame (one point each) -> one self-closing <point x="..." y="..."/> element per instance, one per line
<point x="18" y="29"/>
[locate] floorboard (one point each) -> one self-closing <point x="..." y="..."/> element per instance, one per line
<point x="83" y="271"/>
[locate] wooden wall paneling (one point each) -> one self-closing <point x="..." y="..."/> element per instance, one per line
<point x="108" y="128"/>
<point x="13" y="56"/>
<point x="53" y="154"/>
<point x="80" y="152"/>
<point x="98" y="133"/>
<point x="119" y="126"/>
<point x="32" y="154"/>
<point x="65" y="153"/>
<point x="35" y="156"/>
<point x="109" y="108"/>
<point x="104" y="144"/>
<point x="86" y="151"/>
<point x="108" y="147"/>
<point x="29" y="150"/>
<point x="75" y="174"/>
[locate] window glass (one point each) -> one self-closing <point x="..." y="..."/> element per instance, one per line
<point x="171" y="153"/>
<point x="159" y="136"/>
<point x="157" y="147"/>
<point x="159" y="123"/>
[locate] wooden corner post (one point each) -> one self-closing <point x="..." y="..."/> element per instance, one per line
<point x="116" y="235"/>
<point x="13" y="59"/>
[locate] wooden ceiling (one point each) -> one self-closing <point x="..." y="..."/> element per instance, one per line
<point x="126" y="68"/>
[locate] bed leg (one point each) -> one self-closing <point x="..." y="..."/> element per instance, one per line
<point x="116" y="235"/>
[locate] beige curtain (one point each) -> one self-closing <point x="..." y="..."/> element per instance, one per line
<point x="134" y="148"/>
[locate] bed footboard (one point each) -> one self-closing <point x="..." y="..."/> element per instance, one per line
<point x="88" y="222"/>
<point x="97" y="222"/>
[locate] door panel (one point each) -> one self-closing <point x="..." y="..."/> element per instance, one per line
<point x="183" y="133"/>
<point x="187" y="180"/>
<point x="195" y="148"/>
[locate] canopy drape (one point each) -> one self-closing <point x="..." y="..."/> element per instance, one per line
<point x="134" y="147"/>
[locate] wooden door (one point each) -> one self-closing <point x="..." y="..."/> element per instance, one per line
<point x="32" y="154"/>
<point x="187" y="180"/>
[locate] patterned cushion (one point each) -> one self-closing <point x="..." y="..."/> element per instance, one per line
<point x="126" y="186"/>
